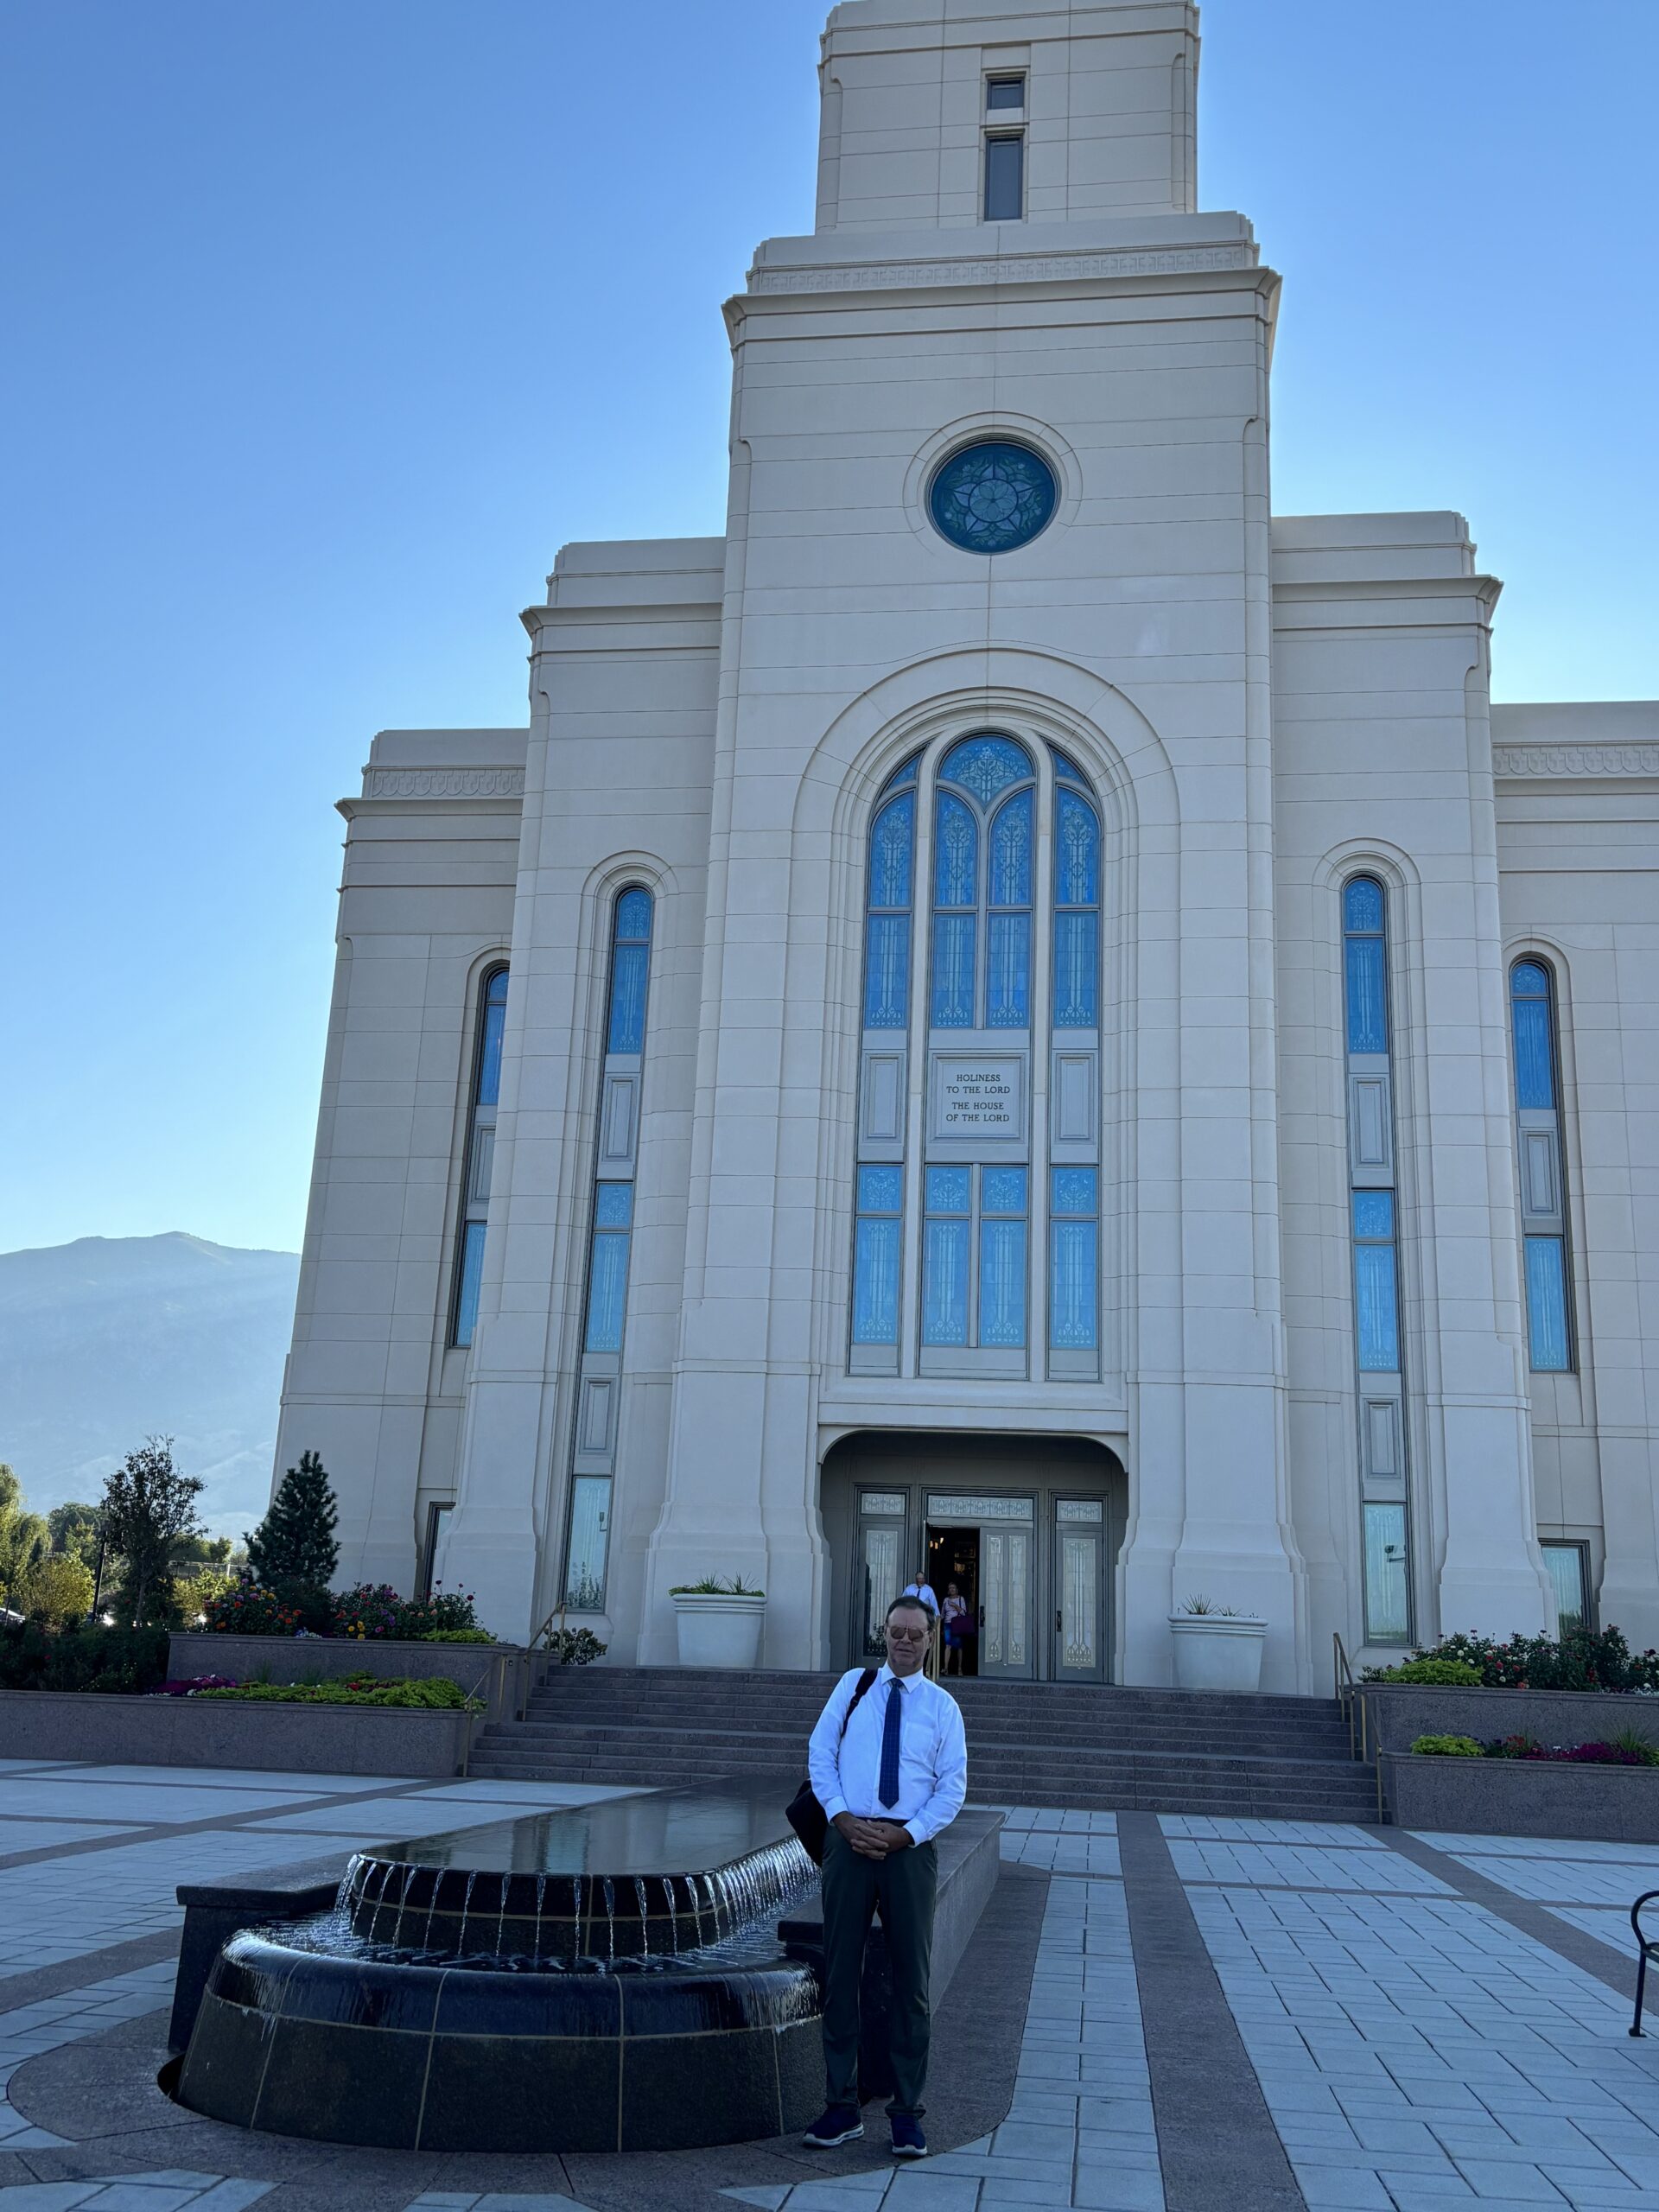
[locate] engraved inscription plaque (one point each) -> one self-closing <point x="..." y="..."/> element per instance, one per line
<point x="976" y="1097"/>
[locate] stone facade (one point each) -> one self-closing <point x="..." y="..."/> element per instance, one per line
<point x="576" y="1318"/>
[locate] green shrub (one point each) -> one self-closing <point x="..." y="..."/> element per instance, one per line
<point x="117" y="1661"/>
<point x="575" y="1647"/>
<point x="716" y="1585"/>
<point x="1583" y="1659"/>
<point x="1444" y="1674"/>
<point x="1448" y="1747"/>
<point x="249" y="1608"/>
<point x="456" y="1635"/>
<point x="433" y="1693"/>
<point x="374" y="1609"/>
<point x="311" y="1603"/>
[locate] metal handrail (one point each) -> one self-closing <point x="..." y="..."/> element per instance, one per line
<point x="1345" y="1694"/>
<point x="1645" y="1948"/>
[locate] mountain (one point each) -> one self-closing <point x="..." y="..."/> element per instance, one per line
<point x="110" y="1339"/>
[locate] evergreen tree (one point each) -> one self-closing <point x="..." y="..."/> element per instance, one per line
<point x="294" y="1542"/>
<point x="148" y="1507"/>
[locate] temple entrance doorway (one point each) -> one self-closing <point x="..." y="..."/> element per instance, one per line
<point x="1028" y="1529"/>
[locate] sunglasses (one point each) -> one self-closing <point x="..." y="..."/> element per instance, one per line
<point x="906" y="1636"/>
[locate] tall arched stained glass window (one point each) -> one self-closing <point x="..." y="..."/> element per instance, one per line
<point x="1375" y="1243"/>
<point x="1002" y="1199"/>
<point x="1542" y="1162"/>
<point x="479" y="1160"/>
<point x="610" y="1252"/>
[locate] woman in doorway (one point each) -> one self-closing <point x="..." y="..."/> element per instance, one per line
<point x="953" y="1615"/>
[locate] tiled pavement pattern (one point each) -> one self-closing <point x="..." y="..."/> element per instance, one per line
<point x="1412" y="2048"/>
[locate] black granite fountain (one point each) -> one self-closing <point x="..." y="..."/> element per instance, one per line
<point x="606" y="1979"/>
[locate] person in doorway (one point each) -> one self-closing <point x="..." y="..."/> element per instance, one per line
<point x="922" y="1589"/>
<point x="890" y="1770"/>
<point x="953" y="1620"/>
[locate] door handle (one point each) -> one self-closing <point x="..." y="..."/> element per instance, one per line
<point x="1056" y="1620"/>
<point x="982" y="1616"/>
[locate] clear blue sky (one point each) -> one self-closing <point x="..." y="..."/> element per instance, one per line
<point x="329" y="322"/>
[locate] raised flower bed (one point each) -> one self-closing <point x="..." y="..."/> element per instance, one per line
<point x="1602" y="1790"/>
<point x="283" y="1732"/>
<point x="497" y="1673"/>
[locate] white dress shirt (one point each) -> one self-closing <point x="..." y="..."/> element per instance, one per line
<point x="925" y="1593"/>
<point x="846" y="1771"/>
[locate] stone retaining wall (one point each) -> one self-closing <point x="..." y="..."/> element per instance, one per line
<point x="214" y="1731"/>
<point x="1612" y="1804"/>
<point x="1397" y="1714"/>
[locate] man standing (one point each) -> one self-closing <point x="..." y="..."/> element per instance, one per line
<point x="890" y="1770"/>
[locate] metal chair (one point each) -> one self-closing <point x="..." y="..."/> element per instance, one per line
<point x="1646" y="1948"/>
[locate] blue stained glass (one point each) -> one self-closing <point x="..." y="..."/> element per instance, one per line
<point x="1362" y="906"/>
<point x="994" y="496"/>
<point x="489" y="1052"/>
<point x="471" y="1275"/>
<point x="1003" y="1190"/>
<point x="945" y="1282"/>
<point x="879" y="1189"/>
<point x="904" y="775"/>
<point x="1387" y="1614"/>
<point x="1064" y="766"/>
<point x="893" y="839"/>
<point x="985" y="765"/>
<point x="495" y="991"/>
<point x="1073" y="1189"/>
<point x="1002" y="1283"/>
<point x="1011" y="852"/>
<point x="1076" y="853"/>
<point x="1529" y="979"/>
<point x="1535" y="1059"/>
<point x="1368" y="995"/>
<point x="1008" y="972"/>
<point x="1375" y="1306"/>
<point x="630" y="965"/>
<point x="607" y="1290"/>
<point x="875" y="1283"/>
<point x="1547" y="1305"/>
<point x="633" y="915"/>
<point x="886" y="972"/>
<point x="953" y="972"/>
<point x="956" y="854"/>
<point x="613" y="1205"/>
<point x="947" y="1190"/>
<point x="1073" y="1298"/>
<point x="1373" y="1213"/>
<point x="1077" y="971"/>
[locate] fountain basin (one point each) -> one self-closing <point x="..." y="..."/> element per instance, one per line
<point x="440" y="2058"/>
<point x="607" y="1977"/>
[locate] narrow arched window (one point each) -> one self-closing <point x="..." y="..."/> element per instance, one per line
<point x="479" y="1156"/>
<point x="952" y="1251"/>
<point x="1541" y="1162"/>
<point x="610" y="1251"/>
<point x="1374" y="1229"/>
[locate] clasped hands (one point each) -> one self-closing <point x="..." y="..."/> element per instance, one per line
<point x="872" y="1839"/>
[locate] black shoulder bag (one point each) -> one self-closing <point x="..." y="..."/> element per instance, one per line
<point x="803" y="1813"/>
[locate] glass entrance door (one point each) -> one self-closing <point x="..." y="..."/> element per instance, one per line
<point x="1004" y="1601"/>
<point x="880" y="1573"/>
<point x="1079" y="1594"/>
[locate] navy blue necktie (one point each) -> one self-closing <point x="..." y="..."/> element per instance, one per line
<point x="887" y="1787"/>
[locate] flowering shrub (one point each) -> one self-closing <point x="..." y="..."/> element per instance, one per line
<point x="1627" y="1749"/>
<point x="1443" y="1674"/>
<point x="1583" y="1659"/>
<point x="249" y="1608"/>
<point x="575" y="1647"/>
<point x="374" y="1609"/>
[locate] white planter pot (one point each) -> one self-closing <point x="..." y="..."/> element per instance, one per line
<point x="1215" y="1653"/>
<point x="718" y="1630"/>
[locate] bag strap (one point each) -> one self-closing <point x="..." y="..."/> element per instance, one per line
<point x="865" y="1680"/>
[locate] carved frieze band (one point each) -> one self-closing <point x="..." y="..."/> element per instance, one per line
<point x="444" y="783"/>
<point x="1040" y="268"/>
<point x="1575" y="759"/>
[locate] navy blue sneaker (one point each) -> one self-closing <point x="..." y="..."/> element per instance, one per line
<point x="841" y="2124"/>
<point x="908" y="2140"/>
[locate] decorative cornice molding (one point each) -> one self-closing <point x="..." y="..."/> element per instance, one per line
<point x="1575" y="759"/>
<point x="443" y="783"/>
<point x="1004" y="268"/>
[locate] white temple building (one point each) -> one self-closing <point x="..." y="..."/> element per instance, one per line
<point x="1018" y="1009"/>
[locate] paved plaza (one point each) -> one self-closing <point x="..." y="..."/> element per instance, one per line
<point x="1233" y="2014"/>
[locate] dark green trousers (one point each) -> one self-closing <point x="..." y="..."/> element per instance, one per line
<point x="902" y="1888"/>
